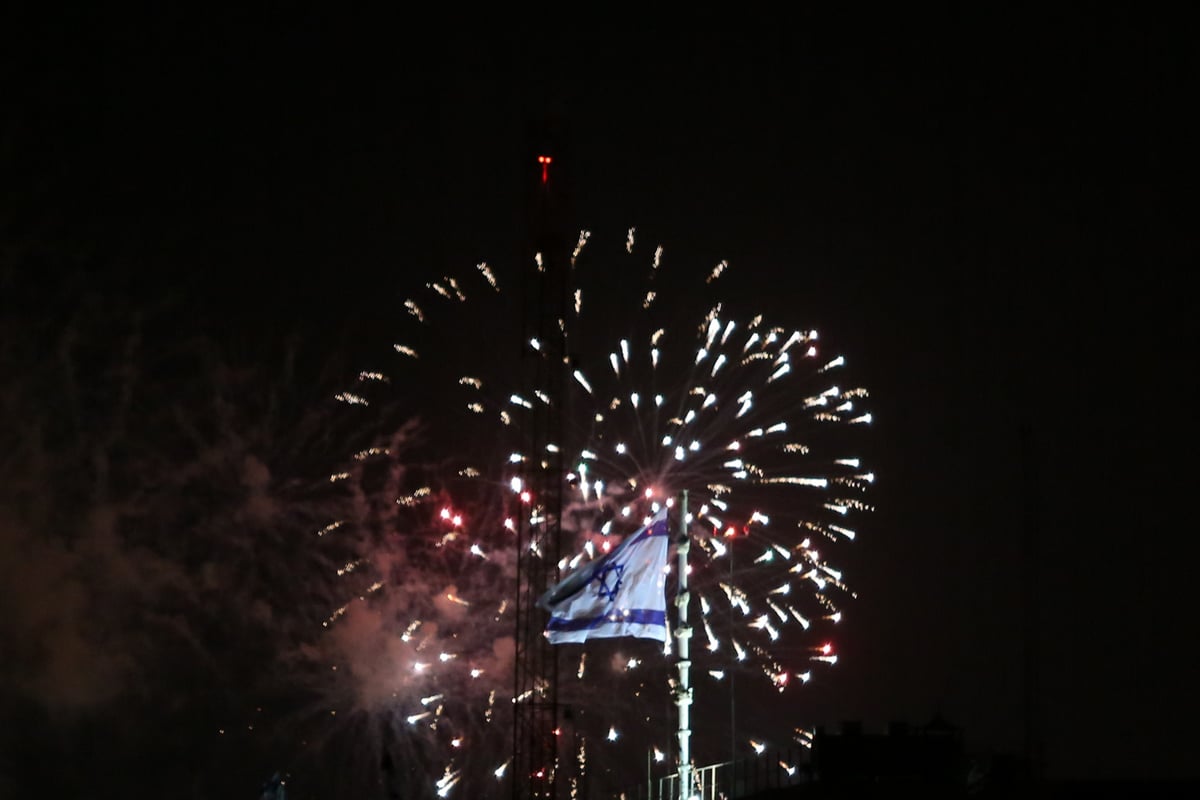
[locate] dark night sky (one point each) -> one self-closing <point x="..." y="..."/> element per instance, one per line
<point x="993" y="212"/>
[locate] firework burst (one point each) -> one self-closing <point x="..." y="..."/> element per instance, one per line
<point x="754" y="420"/>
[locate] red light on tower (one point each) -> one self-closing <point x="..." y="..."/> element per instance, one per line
<point x="545" y="162"/>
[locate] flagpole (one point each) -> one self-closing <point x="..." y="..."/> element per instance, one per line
<point x="683" y="635"/>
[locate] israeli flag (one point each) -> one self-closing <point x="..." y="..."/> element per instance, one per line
<point x="621" y="594"/>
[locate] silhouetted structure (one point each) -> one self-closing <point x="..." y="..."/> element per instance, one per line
<point x="929" y="760"/>
<point x="901" y="761"/>
<point x="544" y="298"/>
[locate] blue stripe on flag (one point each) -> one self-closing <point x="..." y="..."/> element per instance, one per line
<point x="642" y="616"/>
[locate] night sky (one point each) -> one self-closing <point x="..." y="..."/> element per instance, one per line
<point x="992" y="214"/>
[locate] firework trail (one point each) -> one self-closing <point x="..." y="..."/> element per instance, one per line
<point x="755" y="420"/>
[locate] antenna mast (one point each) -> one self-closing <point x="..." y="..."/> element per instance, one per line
<point x="535" y="673"/>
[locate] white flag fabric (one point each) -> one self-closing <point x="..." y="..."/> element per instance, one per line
<point x="621" y="594"/>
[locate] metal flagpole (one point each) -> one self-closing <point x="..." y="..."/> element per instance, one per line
<point x="683" y="635"/>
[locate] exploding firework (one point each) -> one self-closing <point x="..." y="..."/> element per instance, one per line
<point x="752" y="419"/>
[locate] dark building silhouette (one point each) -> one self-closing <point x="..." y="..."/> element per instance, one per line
<point x="900" y="760"/>
<point x="929" y="760"/>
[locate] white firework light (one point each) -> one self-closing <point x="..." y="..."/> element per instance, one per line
<point x="753" y="418"/>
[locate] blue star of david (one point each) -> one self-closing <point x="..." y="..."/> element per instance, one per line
<point x="615" y="572"/>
